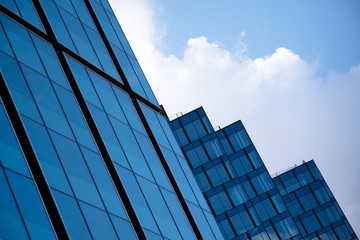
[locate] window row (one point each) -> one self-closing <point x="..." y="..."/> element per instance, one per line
<point x="122" y="50"/>
<point x="75" y="29"/>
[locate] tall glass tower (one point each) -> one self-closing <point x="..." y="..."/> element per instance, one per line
<point x="246" y="201"/>
<point x="85" y="149"/>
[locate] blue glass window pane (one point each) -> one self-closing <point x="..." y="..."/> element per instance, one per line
<point x="226" y="229"/>
<point x="84" y="82"/>
<point x="178" y="214"/>
<point x="282" y="230"/>
<point x="102" y="53"/>
<point x="153" y="161"/>
<point x="11" y="5"/>
<point x="107" y="96"/>
<point x="82" y="13"/>
<point x="129" y="110"/>
<point x="202" y="222"/>
<point x="193" y="158"/>
<point x="4" y="43"/>
<point x="28" y="12"/>
<point x="50" y="61"/>
<point x="225" y="144"/>
<point x="31" y="207"/>
<point x="143" y="82"/>
<point x="131" y="149"/>
<point x="123" y="228"/>
<point x="18" y="87"/>
<point x="78" y="35"/>
<point x="47" y="102"/>
<point x="203" y="182"/>
<point x="213" y="148"/>
<point x="108" y="136"/>
<point x="22" y="45"/>
<point x="255" y="158"/>
<point x="238" y="224"/>
<point x="98" y="222"/>
<point x="105" y="23"/>
<point x="137" y="199"/>
<point x="237" y="194"/>
<point x="216" y="205"/>
<point x="249" y="190"/>
<point x="57" y="24"/>
<point x="67" y="5"/>
<point x="12" y="227"/>
<point x="11" y="155"/>
<point x="71" y="215"/>
<point x="75" y="117"/>
<point x="104" y="183"/>
<point x="179" y="133"/>
<point x="129" y="72"/>
<point x="46" y="155"/>
<point x="76" y="170"/>
<point x="159" y="208"/>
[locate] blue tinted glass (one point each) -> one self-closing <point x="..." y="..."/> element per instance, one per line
<point x="76" y="170"/>
<point x="178" y="174"/>
<point x="123" y="228"/>
<point x="202" y="222"/>
<point x="12" y="226"/>
<point x="226" y="229"/>
<point x="11" y="155"/>
<point x="203" y="182"/>
<point x="98" y="222"/>
<point x="83" y="13"/>
<point x="50" y="61"/>
<point x="102" y="53"/>
<point x="47" y="102"/>
<point x="46" y="155"/>
<point x="75" y="117"/>
<point x="28" y="12"/>
<point x="129" y="110"/>
<point x="238" y="224"/>
<point x="129" y="72"/>
<point x="255" y="158"/>
<point x="143" y="82"/>
<point x="178" y="214"/>
<point x="18" y="88"/>
<point x="107" y="96"/>
<point x="108" y="136"/>
<point x="22" y="45"/>
<point x="104" y="183"/>
<point x="4" y="43"/>
<point x="131" y="149"/>
<point x="78" y="35"/>
<point x="84" y="82"/>
<point x="137" y="199"/>
<point x="153" y="160"/>
<point x="31" y="207"/>
<point x="179" y="133"/>
<point x="155" y="126"/>
<point x="71" y="215"/>
<point x="10" y="4"/>
<point x="57" y="23"/>
<point x="159" y="208"/>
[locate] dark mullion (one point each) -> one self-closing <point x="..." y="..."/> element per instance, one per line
<point x="95" y="132"/>
<point x="102" y="148"/>
<point x="34" y="165"/>
<point x="168" y="171"/>
<point x="127" y="86"/>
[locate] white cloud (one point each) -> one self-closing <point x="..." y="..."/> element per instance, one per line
<point x="290" y="112"/>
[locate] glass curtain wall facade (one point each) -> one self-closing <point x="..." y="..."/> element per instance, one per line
<point x="85" y="149"/>
<point x="311" y="203"/>
<point x="246" y="201"/>
<point x="234" y="180"/>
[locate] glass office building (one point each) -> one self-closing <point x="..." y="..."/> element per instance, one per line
<point x="311" y="203"/>
<point x="246" y="201"/>
<point x="85" y="149"/>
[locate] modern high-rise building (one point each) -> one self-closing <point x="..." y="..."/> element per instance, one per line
<point x="311" y="203"/>
<point x="246" y="201"/>
<point x="85" y="149"/>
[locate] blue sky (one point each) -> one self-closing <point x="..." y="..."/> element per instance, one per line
<point x="324" y="30"/>
<point x="290" y="70"/>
